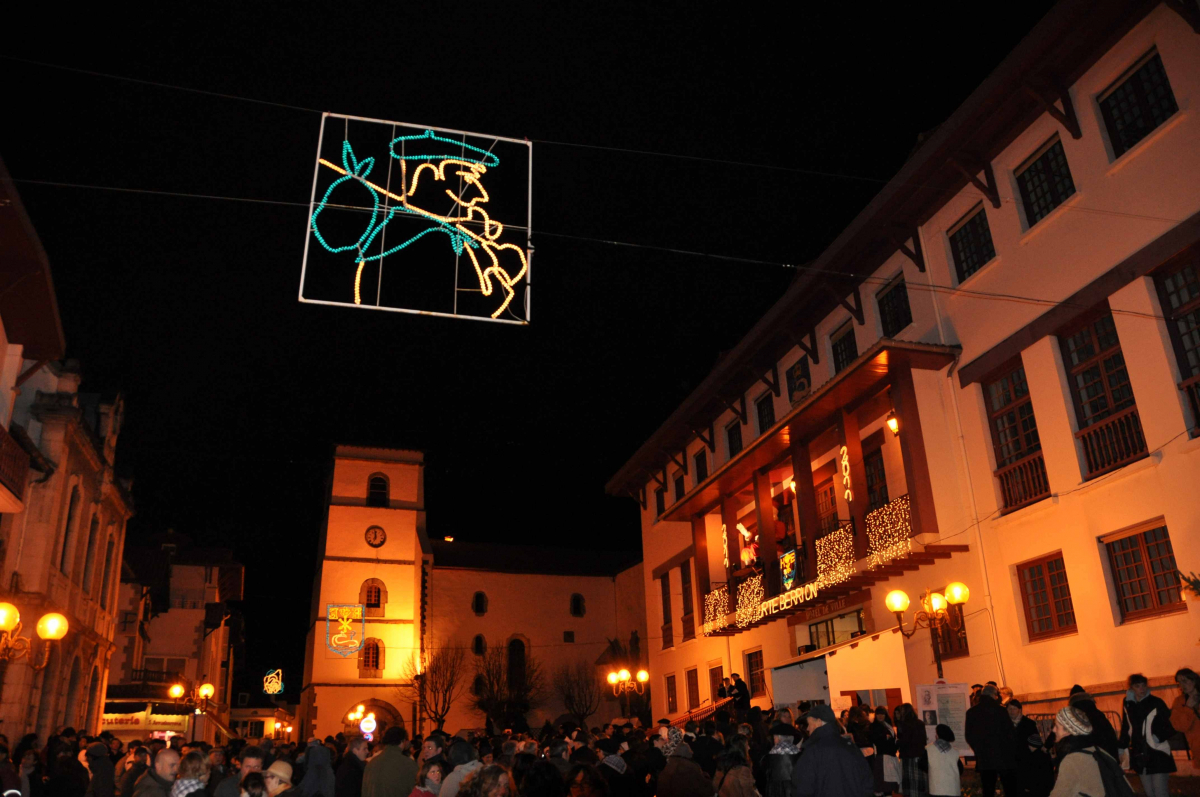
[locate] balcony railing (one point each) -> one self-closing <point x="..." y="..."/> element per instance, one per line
<point x="689" y="627"/>
<point x="14" y="464"/>
<point x="668" y="636"/>
<point x="1113" y="442"/>
<point x="157" y="677"/>
<point x="889" y="531"/>
<point x="716" y="609"/>
<point x="1191" y="387"/>
<point x="1023" y="482"/>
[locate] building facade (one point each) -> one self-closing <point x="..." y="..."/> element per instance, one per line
<point x="1022" y="304"/>
<point x="386" y="600"/>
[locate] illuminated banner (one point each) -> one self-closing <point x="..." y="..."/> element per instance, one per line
<point x="787" y="569"/>
<point x="273" y="682"/>
<point x="344" y="628"/>
<point x="417" y="219"/>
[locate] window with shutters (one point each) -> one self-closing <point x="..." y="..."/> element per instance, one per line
<point x="689" y="620"/>
<point x="1137" y="103"/>
<point x="1046" y="596"/>
<point x="1144" y="573"/>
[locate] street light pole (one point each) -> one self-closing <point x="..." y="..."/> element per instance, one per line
<point x="935" y="614"/>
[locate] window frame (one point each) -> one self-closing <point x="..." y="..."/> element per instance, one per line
<point x="1158" y="608"/>
<point x="959" y="226"/>
<point x="700" y="465"/>
<point x="1014" y="405"/>
<point x="767" y="400"/>
<point x="761" y="690"/>
<point x="1115" y="140"/>
<point x="475" y="602"/>
<point x="869" y="458"/>
<point x="1023" y="580"/>
<point x="678" y="486"/>
<point x="373" y="495"/>
<point x="668" y="637"/>
<point x="688" y="602"/>
<point x="1088" y="322"/>
<point x="660" y="501"/>
<point x="954" y="651"/>
<point x="1022" y="186"/>
<point x="479" y="645"/>
<point x="672" y="693"/>
<point x="823" y="518"/>
<point x="897" y="283"/>
<point x="691" y="682"/>
<point x="840" y="333"/>
<point x="1186" y="312"/>
<point x="731" y="430"/>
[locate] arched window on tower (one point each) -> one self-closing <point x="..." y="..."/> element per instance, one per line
<point x="377" y="490"/>
<point x="373" y="596"/>
<point x="479" y="604"/>
<point x="371" y="659"/>
<point x="479" y="645"/>
<point x="578" y="609"/>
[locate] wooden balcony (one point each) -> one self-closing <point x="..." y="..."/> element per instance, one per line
<point x="668" y="637"/>
<point x="1191" y="388"/>
<point x="689" y="627"/>
<point x="1024" y="482"/>
<point x="1113" y="442"/>
<point x="14" y="470"/>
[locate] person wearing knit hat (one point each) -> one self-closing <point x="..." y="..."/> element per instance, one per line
<point x="1083" y="768"/>
<point x="1071" y="722"/>
<point x="1102" y="730"/>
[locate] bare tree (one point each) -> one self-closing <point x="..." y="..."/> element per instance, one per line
<point x="504" y="694"/>
<point x="434" y="681"/>
<point x="578" y="686"/>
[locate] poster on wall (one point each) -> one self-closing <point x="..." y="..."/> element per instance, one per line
<point x="344" y="628"/>
<point x="945" y="704"/>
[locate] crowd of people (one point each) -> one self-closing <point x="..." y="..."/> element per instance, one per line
<point x="746" y="753"/>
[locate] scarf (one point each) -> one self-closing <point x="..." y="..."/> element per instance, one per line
<point x="616" y="762"/>
<point x="942" y="745"/>
<point x="785" y="747"/>
<point x="185" y="786"/>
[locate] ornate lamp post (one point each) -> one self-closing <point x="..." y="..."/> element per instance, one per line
<point x="197" y="699"/>
<point x="625" y="685"/>
<point x="51" y="627"/>
<point x="934" y="615"/>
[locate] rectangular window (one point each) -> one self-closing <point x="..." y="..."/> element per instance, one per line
<point x="1099" y="379"/>
<point x="1144" y="572"/>
<point x="733" y="436"/>
<point x="672" y="698"/>
<point x="842" y="628"/>
<point x="255" y="729"/>
<point x="1179" y="292"/>
<point x="952" y="639"/>
<point x="700" y="463"/>
<point x="1045" y="181"/>
<point x="826" y="507"/>
<point x="689" y="622"/>
<point x="799" y="382"/>
<point x="693" y="688"/>
<point x="680" y="487"/>
<point x="755" y="675"/>
<point x="668" y="637"/>
<point x="715" y="676"/>
<point x="764" y="408"/>
<point x="845" y="348"/>
<point x="1137" y="103"/>
<point x="877" y="491"/>
<point x="660" y="500"/>
<point x="971" y="243"/>
<point x="1047" y="597"/>
<point x="568" y="636"/>
<point x="1019" y="464"/>
<point x="894" y="312"/>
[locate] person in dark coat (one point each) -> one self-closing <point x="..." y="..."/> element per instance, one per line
<point x="616" y="770"/>
<point x="318" y="779"/>
<point x="1102" y="730"/>
<point x="989" y="732"/>
<point x="706" y="748"/>
<point x="348" y="782"/>
<point x="134" y="770"/>
<point x="740" y="693"/>
<point x="910" y="744"/>
<point x="1035" y="770"/>
<point x="1145" y="731"/>
<point x="883" y="738"/>
<point x="681" y="777"/>
<point x="829" y="765"/>
<point x="103" y="782"/>
<point x="780" y="762"/>
<point x="70" y="778"/>
<point x="250" y="759"/>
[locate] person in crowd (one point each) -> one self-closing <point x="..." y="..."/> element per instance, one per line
<point x="433" y="746"/>
<point x="558" y="756"/>
<point x="103" y="780"/>
<point x="491" y="781"/>
<point x="318" y="779"/>
<point x="278" y="779"/>
<point x="254" y="785"/>
<point x="217" y="769"/>
<point x="30" y="770"/>
<point x="584" y="780"/>
<point x="883" y="739"/>
<point x="1102" y="730"/>
<point x="429" y="778"/>
<point x="349" y="777"/>
<point x="137" y="762"/>
<point x="734" y="777"/>
<point x="829" y="765"/>
<point x="543" y="780"/>
<point x="192" y="776"/>
<point x="780" y="761"/>
<point x="723" y="689"/>
<point x="157" y="781"/>
<point x="615" y="769"/>
<point x="944" y="765"/>
<point x="989" y="732"/>
<point x="1145" y="731"/>
<point x="910" y="745"/>
<point x="1185" y="709"/>
<point x="740" y="693"/>
<point x="465" y="761"/>
<point x="1035" y="770"/>
<point x="706" y="748"/>
<point x="1084" y="769"/>
<point x="250" y="760"/>
<point x="10" y="778"/>
<point x="1006" y="694"/>
<point x="391" y="773"/>
<point x="681" y="777"/>
<point x="70" y="778"/>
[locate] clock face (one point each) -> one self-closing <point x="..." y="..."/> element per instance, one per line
<point x="376" y="536"/>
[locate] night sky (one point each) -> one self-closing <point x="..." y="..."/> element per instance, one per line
<point x="237" y="393"/>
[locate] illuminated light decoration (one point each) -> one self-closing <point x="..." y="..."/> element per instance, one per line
<point x="747" y="556"/>
<point x="176" y="691"/>
<point x="500" y="267"/>
<point x="897" y="601"/>
<point x="847" y="494"/>
<point x="889" y="531"/>
<point x="791" y="598"/>
<point x="893" y="423"/>
<point x="10" y="617"/>
<point x="787" y="569"/>
<point x="642" y="676"/>
<point x="368" y="724"/>
<point x="51" y="626"/>
<point x="749" y="601"/>
<point x="344" y="628"/>
<point x="957" y="593"/>
<point x="612" y="678"/>
<point x="206" y="691"/>
<point x="725" y="544"/>
<point x="835" y="557"/>
<point x="716" y="610"/>
<point x="273" y="682"/>
<point x="936" y="602"/>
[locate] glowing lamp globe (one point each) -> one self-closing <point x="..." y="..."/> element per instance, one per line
<point x="897" y="601"/>
<point x="360" y="708"/>
<point x="368" y="724"/>
<point x="206" y="691"/>
<point x="612" y="678"/>
<point x="623" y="675"/>
<point x="957" y="593"/>
<point x="937" y="601"/>
<point x="176" y="691"/>
<point x="9" y="617"/>
<point x="289" y="729"/>
<point x="893" y="423"/>
<point x="643" y="676"/>
<point x="52" y="626"/>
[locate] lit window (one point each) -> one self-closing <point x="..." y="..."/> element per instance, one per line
<point x="1137" y="104"/>
<point x="894" y="312"/>
<point x="1047" y="597"/>
<point x="1145" y="575"/>
<point x="971" y="243"/>
<point x="733" y="437"/>
<point x="764" y="408"/>
<point x="845" y="347"/>
<point x="1045" y="181"/>
<point x="835" y="630"/>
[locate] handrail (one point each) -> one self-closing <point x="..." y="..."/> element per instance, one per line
<point x="1023" y="482"/>
<point x="1113" y="442"/>
<point x="701" y="713"/>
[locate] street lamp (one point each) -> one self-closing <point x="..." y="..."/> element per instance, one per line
<point x="893" y="423"/>
<point x="935" y="614"/>
<point x="622" y="682"/>
<point x="50" y="628"/>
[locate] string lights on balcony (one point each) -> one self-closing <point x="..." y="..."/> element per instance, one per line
<point x="889" y="531"/>
<point x="835" y="557"/>
<point x="749" y="601"/>
<point x="716" y="609"/>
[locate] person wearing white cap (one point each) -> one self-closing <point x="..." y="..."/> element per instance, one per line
<point x="278" y="778"/>
<point x="1083" y="768"/>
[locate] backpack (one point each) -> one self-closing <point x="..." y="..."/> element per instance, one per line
<point x="1111" y="775"/>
